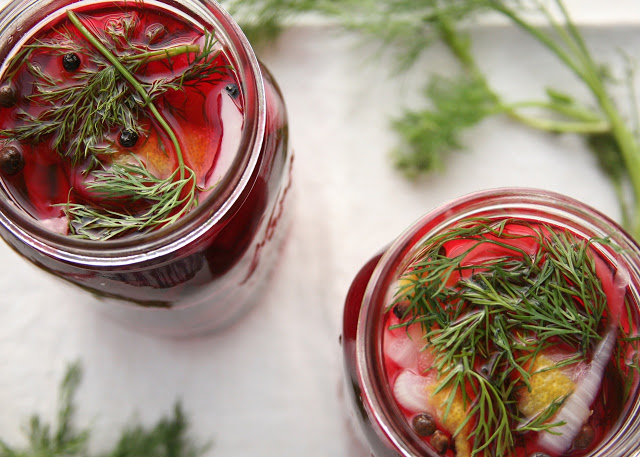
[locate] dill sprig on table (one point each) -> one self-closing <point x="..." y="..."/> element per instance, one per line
<point x="409" y="27"/>
<point x="78" y="117"/>
<point x="455" y="103"/>
<point x="168" y="437"/>
<point x="500" y="313"/>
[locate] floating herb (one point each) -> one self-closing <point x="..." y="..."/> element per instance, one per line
<point x="492" y="299"/>
<point x="103" y="95"/>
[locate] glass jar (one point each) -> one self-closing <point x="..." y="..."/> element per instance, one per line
<point x="200" y="272"/>
<point x="377" y="417"/>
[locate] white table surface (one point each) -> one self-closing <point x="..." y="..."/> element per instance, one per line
<point x="271" y="386"/>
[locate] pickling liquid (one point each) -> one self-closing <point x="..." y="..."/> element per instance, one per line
<point x="206" y="113"/>
<point x="405" y="355"/>
<point x="212" y="279"/>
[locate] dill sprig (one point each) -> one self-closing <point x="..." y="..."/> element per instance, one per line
<point x="79" y="115"/>
<point x="614" y="140"/>
<point x="500" y="312"/>
<point x="133" y="182"/>
<point x="61" y="439"/>
<point x="453" y="104"/>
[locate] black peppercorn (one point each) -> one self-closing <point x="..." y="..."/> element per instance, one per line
<point x="128" y="138"/>
<point x="232" y="90"/>
<point x="71" y="61"/>
<point x="424" y="424"/>
<point x="11" y="160"/>
<point x="400" y="309"/>
<point x="440" y="442"/>
<point x="8" y="96"/>
<point x="585" y="437"/>
<point x="539" y="454"/>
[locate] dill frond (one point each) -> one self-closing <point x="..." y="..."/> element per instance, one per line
<point x="168" y="437"/>
<point x="78" y="117"/>
<point x="430" y="135"/>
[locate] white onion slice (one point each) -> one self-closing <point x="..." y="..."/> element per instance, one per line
<point x="410" y="391"/>
<point x="401" y="350"/>
<point x="57" y="224"/>
<point x="577" y="408"/>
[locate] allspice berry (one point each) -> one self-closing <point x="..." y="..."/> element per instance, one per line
<point x="11" y="160"/>
<point x="8" y="96"/>
<point x="232" y="90"/>
<point x="585" y="437"/>
<point x="424" y="424"/>
<point x="128" y="138"/>
<point x="440" y="442"/>
<point x="401" y="308"/>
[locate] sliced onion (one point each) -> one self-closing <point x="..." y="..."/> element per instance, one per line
<point x="57" y="224"/>
<point x="577" y="408"/>
<point x="410" y="391"/>
<point x="401" y="350"/>
<point x="575" y="411"/>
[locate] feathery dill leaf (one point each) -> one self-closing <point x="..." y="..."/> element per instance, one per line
<point x="408" y="27"/>
<point x="263" y="20"/>
<point x="59" y="439"/>
<point x="167" y="438"/>
<point x="78" y="118"/>
<point x="506" y="309"/>
<point x="429" y="135"/>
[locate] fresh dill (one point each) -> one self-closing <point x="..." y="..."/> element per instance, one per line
<point x="427" y="136"/>
<point x="78" y="117"/>
<point x="500" y="312"/>
<point x="62" y="439"/>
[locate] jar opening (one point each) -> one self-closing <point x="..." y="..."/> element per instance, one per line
<point x="617" y="250"/>
<point x="21" y="16"/>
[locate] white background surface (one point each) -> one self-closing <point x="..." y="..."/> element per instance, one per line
<point x="271" y="385"/>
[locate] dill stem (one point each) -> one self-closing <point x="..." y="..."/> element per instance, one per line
<point x="629" y="148"/>
<point x="460" y="48"/>
<point x="586" y="69"/>
<point x="568" y="110"/>
<point x="560" y="126"/>
<point x="134" y="82"/>
<point x="163" y="53"/>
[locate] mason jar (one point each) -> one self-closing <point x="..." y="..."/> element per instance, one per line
<point x="186" y="275"/>
<point x="383" y="409"/>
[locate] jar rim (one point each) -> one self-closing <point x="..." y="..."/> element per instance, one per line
<point x="556" y="208"/>
<point x="224" y="198"/>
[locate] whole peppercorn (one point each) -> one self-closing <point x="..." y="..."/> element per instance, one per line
<point x="11" y="160"/>
<point x="539" y="454"/>
<point x="71" y="61"/>
<point x="128" y="138"/>
<point x="440" y="442"/>
<point x="585" y="437"/>
<point x="400" y="309"/>
<point x="8" y="96"/>
<point x="424" y="424"/>
<point x="232" y="90"/>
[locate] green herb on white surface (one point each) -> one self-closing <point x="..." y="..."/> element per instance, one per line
<point x="167" y="438"/>
<point x="456" y="103"/>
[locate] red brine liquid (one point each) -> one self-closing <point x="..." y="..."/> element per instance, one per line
<point x="477" y="348"/>
<point x="152" y="147"/>
<point x="205" y="111"/>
